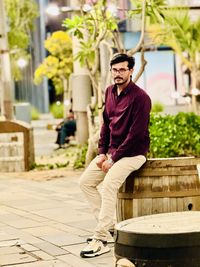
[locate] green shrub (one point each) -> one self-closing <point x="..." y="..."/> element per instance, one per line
<point x="80" y="158"/>
<point x="170" y="136"/>
<point x="157" y="107"/>
<point x="35" y="114"/>
<point x="174" y="135"/>
<point x="57" y="109"/>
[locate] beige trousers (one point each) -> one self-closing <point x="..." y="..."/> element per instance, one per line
<point x="103" y="202"/>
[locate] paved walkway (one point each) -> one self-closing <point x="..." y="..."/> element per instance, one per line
<point x="45" y="223"/>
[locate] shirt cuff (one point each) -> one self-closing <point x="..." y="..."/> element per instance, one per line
<point x="102" y="151"/>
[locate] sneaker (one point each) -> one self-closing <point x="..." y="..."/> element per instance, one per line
<point x="110" y="238"/>
<point x="95" y="248"/>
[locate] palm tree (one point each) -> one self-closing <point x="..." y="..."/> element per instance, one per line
<point x="175" y="28"/>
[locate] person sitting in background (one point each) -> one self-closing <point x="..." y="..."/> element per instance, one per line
<point x="66" y="129"/>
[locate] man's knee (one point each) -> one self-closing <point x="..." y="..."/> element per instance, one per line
<point x="109" y="187"/>
<point x="84" y="183"/>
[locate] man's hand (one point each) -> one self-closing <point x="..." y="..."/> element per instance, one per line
<point x="100" y="160"/>
<point x="107" y="165"/>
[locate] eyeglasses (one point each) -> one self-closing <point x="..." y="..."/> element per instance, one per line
<point x="120" y="71"/>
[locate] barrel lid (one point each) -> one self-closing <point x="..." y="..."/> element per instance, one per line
<point x="176" y="229"/>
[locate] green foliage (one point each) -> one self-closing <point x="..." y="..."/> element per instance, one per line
<point x="181" y="33"/>
<point x="172" y="27"/>
<point x="174" y="135"/>
<point x="49" y="166"/>
<point x="35" y="114"/>
<point x="57" y="109"/>
<point x="157" y="107"/>
<point x="170" y="135"/>
<point x="75" y="25"/>
<point x="80" y="158"/>
<point x="92" y="27"/>
<point x="154" y="9"/>
<point x="21" y="15"/>
<point x="59" y="64"/>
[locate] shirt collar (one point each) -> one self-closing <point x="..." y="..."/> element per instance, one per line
<point x="125" y="91"/>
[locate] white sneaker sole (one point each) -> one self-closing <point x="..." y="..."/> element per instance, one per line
<point x="98" y="253"/>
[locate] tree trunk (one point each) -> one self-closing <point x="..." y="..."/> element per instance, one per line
<point x="5" y="77"/>
<point x="93" y="136"/>
<point x="193" y="86"/>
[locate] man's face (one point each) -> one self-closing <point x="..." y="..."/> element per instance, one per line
<point x="121" y="73"/>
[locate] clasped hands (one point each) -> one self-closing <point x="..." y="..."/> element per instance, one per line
<point x="104" y="163"/>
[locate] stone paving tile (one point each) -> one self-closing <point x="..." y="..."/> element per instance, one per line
<point x="36" y="218"/>
<point x="106" y="260"/>
<point x="75" y="249"/>
<point x="19" y="202"/>
<point x="84" y="224"/>
<point x="13" y="242"/>
<point x="27" y="238"/>
<point x="43" y="205"/>
<point x="26" y="214"/>
<point x="51" y="249"/>
<point x="43" y="231"/>
<point x="63" y="215"/>
<point x="70" y="229"/>
<point x="53" y="263"/>
<point x="74" y="261"/>
<point x="5" y="236"/>
<point x="23" y="223"/>
<point x="9" y="250"/>
<point x="9" y="217"/>
<point x="11" y="231"/>
<point x="43" y="255"/>
<point x="17" y="258"/>
<point x="61" y="222"/>
<point x="29" y="247"/>
<point x="63" y="240"/>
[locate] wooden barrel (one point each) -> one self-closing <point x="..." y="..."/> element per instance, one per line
<point x="160" y="240"/>
<point x="161" y="185"/>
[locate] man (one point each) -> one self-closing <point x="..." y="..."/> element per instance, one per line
<point x="123" y="144"/>
<point x="66" y="129"/>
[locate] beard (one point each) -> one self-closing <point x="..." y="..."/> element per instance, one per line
<point x="119" y="80"/>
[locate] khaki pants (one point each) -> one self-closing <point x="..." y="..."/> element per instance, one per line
<point x="104" y="203"/>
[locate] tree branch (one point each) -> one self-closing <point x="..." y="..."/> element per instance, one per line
<point x="138" y="46"/>
<point x="143" y="62"/>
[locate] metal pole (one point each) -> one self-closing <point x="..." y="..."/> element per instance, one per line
<point x="5" y="71"/>
<point x="45" y="104"/>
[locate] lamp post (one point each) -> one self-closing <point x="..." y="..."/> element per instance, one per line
<point x="5" y="71"/>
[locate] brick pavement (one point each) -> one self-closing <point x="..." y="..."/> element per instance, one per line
<point x="43" y="222"/>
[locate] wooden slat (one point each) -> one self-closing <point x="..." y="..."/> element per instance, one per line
<point x="164" y="172"/>
<point x="161" y="194"/>
<point x="161" y="185"/>
<point x="168" y="162"/>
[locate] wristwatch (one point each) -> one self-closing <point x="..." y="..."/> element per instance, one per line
<point x="110" y="161"/>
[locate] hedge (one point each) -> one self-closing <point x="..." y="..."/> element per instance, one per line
<point x="174" y="135"/>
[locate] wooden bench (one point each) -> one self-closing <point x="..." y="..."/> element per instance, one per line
<point x="28" y="157"/>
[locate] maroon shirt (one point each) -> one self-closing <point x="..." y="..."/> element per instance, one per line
<point x="124" y="132"/>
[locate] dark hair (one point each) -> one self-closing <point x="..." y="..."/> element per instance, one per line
<point x="121" y="58"/>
